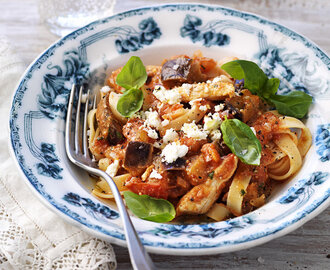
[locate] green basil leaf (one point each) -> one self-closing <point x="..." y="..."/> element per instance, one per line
<point x="130" y="102"/>
<point x="270" y="88"/>
<point x="133" y="74"/>
<point x="254" y="77"/>
<point x="241" y="141"/>
<point x="294" y="104"/>
<point x="149" y="208"/>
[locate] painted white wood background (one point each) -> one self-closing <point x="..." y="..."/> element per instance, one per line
<point x="306" y="248"/>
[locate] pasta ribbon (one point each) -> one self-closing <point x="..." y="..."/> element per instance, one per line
<point x="218" y="212"/>
<point x="102" y="189"/>
<point x="292" y="163"/>
<point x="237" y="190"/>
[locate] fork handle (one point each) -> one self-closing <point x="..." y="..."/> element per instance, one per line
<point x="140" y="259"/>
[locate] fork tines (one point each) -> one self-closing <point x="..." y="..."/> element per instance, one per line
<point x="76" y="139"/>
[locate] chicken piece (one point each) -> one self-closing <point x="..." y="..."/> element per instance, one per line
<point x="213" y="90"/>
<point x="110" y="127"/>
<point x="200" y="166"/>
<point x="156" y="188"/>
<point x="200" y="198"/>
<point x="133" y="131"/>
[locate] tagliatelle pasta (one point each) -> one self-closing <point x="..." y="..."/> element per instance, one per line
<point x="174" y="146"/>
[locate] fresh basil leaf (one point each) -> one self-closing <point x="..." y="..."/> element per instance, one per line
<point x="294" y="104"/>
<point x="149" y="208"/>
<point x="130" y="102"/>
<point x="270" y="88"/>
<point x="241" y="141"/>
<point x="254" y="77"/>
<point x="133" y="74"/>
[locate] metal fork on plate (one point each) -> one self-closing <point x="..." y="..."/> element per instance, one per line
<point x="76" y="146"/>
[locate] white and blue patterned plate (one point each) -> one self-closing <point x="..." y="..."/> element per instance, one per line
<point x="153" y="33"/>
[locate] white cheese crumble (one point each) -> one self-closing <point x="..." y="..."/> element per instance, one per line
<point x="186" y="87"/>
<point x="105" y="89"/>
<point x="157" y="145"/>
<point x="215" y="135"/>
<point x="112" y="169"/>
<point x="217" y="79"/>
<point x="153" y="119"/>
<point x="191" y="130"/>
<point x="152" y="134"/>
<point x="212" y="124"/>
<point x="212" y="121"/>
<point x="170" y="136"/>
<point x="173" y="151"/>
<point x="165" y="122"/>
<point x="167" y="96"/>
<point x="155" y="174"/>
<point x="203" y="108"/>
<point x="219" y="107"/>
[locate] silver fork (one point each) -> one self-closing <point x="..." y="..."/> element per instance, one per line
<point x="76" y="146"/>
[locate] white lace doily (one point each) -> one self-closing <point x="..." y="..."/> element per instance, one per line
<point x="27" y="241"/>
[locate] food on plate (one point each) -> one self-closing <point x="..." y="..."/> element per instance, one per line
<point x="196" y="136"/>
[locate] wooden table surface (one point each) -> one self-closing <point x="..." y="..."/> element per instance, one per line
<point x="306" y="248"/>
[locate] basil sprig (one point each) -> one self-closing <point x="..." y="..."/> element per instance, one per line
<point x="241" y="141"/>
<point x="149" y="208"/>
<point x="132" y="77"/>
<point x="295" y="104"/>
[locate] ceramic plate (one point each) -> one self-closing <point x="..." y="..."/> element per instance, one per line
<point x="153" y="33"/>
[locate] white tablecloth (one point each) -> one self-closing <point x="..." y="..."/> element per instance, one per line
<point x="32" y="236"/>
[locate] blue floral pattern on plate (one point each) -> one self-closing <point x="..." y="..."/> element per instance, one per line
<point x="42" y="95"/>
<point x="94" y="209"/>
<point x="208" y="34"/>
<point x="322" y="141"/>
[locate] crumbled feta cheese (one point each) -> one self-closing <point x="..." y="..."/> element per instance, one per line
<point x="153" y="119"/>
<point x="105" y="89"/>
<point x="191" y="130"/>
<point x="173" y="151"/>
<point x="165" y="122"/>
<point x="217" y="79"/>
<point x="212" y="121"/>
<point x="170" y="135"/>
<point x="155" y="174"/>
<point x="168" y="96"/>
<point x="186" y="87"/>
<point x="253" y="130"/>
<point x="152" y="133"/>
<point x="215" y="135"/>
<point x="219" y="107"/>
<point x="203" y="108"/>
<point x="112" y="169"/>
<point x="157" y="144"/>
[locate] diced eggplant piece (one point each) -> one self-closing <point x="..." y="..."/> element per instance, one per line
<point x="109" y="126"/>
<point x="138" y="155"/>
<point x="181" y="70"/>
<point x="177" y="165"/>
